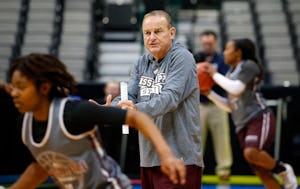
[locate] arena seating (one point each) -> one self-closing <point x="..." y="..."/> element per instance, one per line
<point x="76" y="37"/>
<point x="9" y="19"/>
<point x="265" y="21"/>
<point x="119" y="44"/>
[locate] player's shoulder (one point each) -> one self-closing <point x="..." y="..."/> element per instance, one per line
<point x="250" y="64"/>
<point x="250" y="69"/>
<point x="71" y="104"/>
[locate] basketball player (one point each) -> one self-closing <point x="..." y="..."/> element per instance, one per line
<point x="254" y="121"/>
<point x="61" y="133"/>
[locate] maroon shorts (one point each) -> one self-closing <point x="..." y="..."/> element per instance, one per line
<point x="259" y="132"/>
<point x="154" y="178"/>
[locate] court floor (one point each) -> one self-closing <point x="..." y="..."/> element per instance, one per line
<point x="219" y="187"/>
<point x="235" y="182"/>
<point x="209" y="182"/>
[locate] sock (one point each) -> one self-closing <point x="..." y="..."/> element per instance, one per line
<point x="278" y="167"/>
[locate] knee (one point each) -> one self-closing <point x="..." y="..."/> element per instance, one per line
<point x="250" y="154"/>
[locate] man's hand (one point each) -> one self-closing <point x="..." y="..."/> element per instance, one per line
<point x="127" y="104"/>
<point x="175" y="169"/>
<point x="108" y="101"/>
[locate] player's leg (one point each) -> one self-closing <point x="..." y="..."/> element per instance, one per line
<point x="219" y="127"/>
<point x="258" y="138"/>
<point x="266" y="177"/>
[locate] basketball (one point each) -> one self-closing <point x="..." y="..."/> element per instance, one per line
<point x="205" y="80"/>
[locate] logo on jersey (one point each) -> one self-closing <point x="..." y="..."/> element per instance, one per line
<point x="150" y="86"/>
<point x="251" y="138"/>
<point x="64" y="170"/>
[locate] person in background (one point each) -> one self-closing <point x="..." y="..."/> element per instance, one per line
<point x="5" y="86"/>
<point x="108" y="133"/>
<point x="62" y="134"/>
<point x="212" y="118"/>
<point x="111" y="90"/>
<point x="163" y="84"/>
<point x="254" y="122"/>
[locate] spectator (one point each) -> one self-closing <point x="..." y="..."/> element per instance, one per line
<point x="112" y="88"/>
<point x="212" y="118"/>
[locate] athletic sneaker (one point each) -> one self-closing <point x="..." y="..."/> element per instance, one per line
<point x="289" y="178"/>
<point x="224" y="177"/>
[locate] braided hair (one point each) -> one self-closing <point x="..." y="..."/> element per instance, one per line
<point x="42" y="68"/>
<point x="248" y="50"/>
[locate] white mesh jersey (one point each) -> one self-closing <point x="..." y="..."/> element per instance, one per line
<point x="73" y="161"/>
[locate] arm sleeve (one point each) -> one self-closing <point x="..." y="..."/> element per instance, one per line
<point x="85" y="115"/>
<point x="234" y="87"/>
<point x="181" y="80"/>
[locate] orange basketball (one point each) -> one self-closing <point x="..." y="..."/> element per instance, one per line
<point x="205" y="80"/>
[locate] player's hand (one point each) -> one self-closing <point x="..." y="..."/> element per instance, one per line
<point x="209" y="68"/>
<point x="127" y="104"/>
<point x="206" y="92"/>
<point x="175" y="169"/>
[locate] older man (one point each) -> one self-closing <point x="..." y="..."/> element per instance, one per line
<point x="164" y="85"/>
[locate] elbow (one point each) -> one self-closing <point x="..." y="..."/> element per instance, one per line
<point x="228" y="110"/>
<point x="225" y="107"/>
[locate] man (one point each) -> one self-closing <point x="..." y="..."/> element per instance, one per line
<point x="213" y="118"/>
<point x="164" y="85"/>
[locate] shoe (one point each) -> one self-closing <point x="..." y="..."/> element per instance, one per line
<point x="289" y="178"/>
<point x="224" y="177"/>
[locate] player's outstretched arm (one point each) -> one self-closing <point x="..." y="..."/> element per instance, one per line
<point x="170" y="165"/>
<point x="32" y="177"/>
<point x="220" y="101"/>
